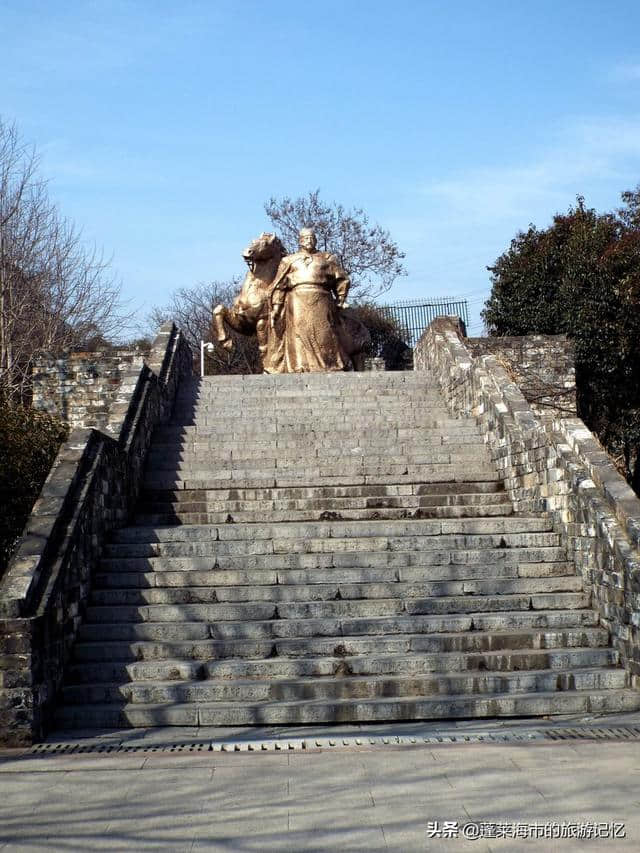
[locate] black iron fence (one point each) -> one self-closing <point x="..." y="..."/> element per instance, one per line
<point x="414" y="315"/>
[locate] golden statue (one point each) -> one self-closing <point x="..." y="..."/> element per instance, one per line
<point x="295" y="306"/>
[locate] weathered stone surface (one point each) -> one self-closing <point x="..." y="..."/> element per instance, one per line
<point x="277" y="584"/>
<point x="325" y="547"/>
<point x="542" y="366"/>
<point x="90" y="489"/>
<point x="550" y="462"/>
<point x="81" y="387"/>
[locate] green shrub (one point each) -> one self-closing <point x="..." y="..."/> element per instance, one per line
<point x="29" y="441"/>
<point x="581" y="277"/>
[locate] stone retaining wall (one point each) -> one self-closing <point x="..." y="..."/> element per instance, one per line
<point x="552" y="463"/>
<point x="80" y="387"/>
<point x="542" y="366"/>
<point x="91" y="489"/>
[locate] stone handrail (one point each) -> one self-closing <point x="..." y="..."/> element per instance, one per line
<point x="91" y="489"/>
<point x="551" y="463"/>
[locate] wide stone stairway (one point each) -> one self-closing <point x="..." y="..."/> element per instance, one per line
<point x="332" y="547"/>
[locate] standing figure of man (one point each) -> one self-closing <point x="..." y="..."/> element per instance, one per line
<point x="309" y="291"/>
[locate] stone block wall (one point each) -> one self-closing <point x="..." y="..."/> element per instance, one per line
<point x="80" y="387"/>
<point x="550" y="462"/>
<point x="91" y="488"/>
<point x="374" y="364"/>
<point x="542" y="366"/>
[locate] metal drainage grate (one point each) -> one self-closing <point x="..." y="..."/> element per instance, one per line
<point x="618" y="733"/>
<point x="119" y="748"/>
<point x="594" y="733"/>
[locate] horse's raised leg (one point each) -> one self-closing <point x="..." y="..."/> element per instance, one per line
<point x="220" y="314"/>
<point x="234" y="318"/>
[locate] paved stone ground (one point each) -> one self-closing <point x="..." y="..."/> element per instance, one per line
<point x="369" y="798"/>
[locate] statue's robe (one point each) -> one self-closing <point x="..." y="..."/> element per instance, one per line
<point x="312" y="286"/>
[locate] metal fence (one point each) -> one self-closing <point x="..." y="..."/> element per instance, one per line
<point x="414" y="315"/>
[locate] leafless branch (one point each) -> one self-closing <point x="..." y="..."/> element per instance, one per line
<point x="191" y="308"/>
<point x="55" y="294"/>
<point x="366" y="251"/>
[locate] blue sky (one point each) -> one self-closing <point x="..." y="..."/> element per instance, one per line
<point x="163" y="127"/>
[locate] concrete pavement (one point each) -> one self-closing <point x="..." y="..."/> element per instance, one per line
<point x="368" y="797"/>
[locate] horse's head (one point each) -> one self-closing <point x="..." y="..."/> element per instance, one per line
<point x="263" y="248"/>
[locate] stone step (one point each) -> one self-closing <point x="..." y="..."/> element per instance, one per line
<point x="255" y="405"/>
<point x="332" y="576"/>
<point x="337" y="628"/>
<point x="377" y="441"/>
<point x="333" y="471"/>
<point x="317" y="422"/>
<point x="347" y="687"/>
<point x="329" y="530"/>
<point x="575" y="629"/>
<point x="324" y="405"/>
<point x="349" y="405"/>
<point x="324" y="415"/>
<point x="188" y="436"/>
<point x="448" y="492"/>
<point x="303" y="396"/>
<point x="433" y="422"/>
<point x="438" y="560"/>
<point x="263" y="386"/>
<point x="331" y="392"/>
<point x="334" y="390"/>
<point x="406" y="426"/>
<point x="271" y="466"/>
<point x="403" y="427"/>
<point x="254" y="516"/>
<point x="291" y="611"/>
<point x="179" y="460"/>
<point x="336" y="387"/>
<point x="391" y="383"/>
<point x="281" y="381"/>
<point x="465" y="504"/>
<point x="317" y="430"/>
<point x="355" y="711"/>
<point x="503" y="660"/>
<point x="417" y="474"/>
<point x="326" y="592"/>
<point x="350" y="545"/>
<point x="255" y="445"/>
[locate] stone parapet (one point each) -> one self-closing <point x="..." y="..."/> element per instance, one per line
<point x="550" y="462"/>
<point x="91" y="489"/>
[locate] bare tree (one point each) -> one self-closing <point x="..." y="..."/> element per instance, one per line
<point x="54" y="292"/>
<point x="191" y="308"/>
<point x="366" y="251"/>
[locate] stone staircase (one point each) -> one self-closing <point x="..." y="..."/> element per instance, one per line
<point x="332" y="547"/>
